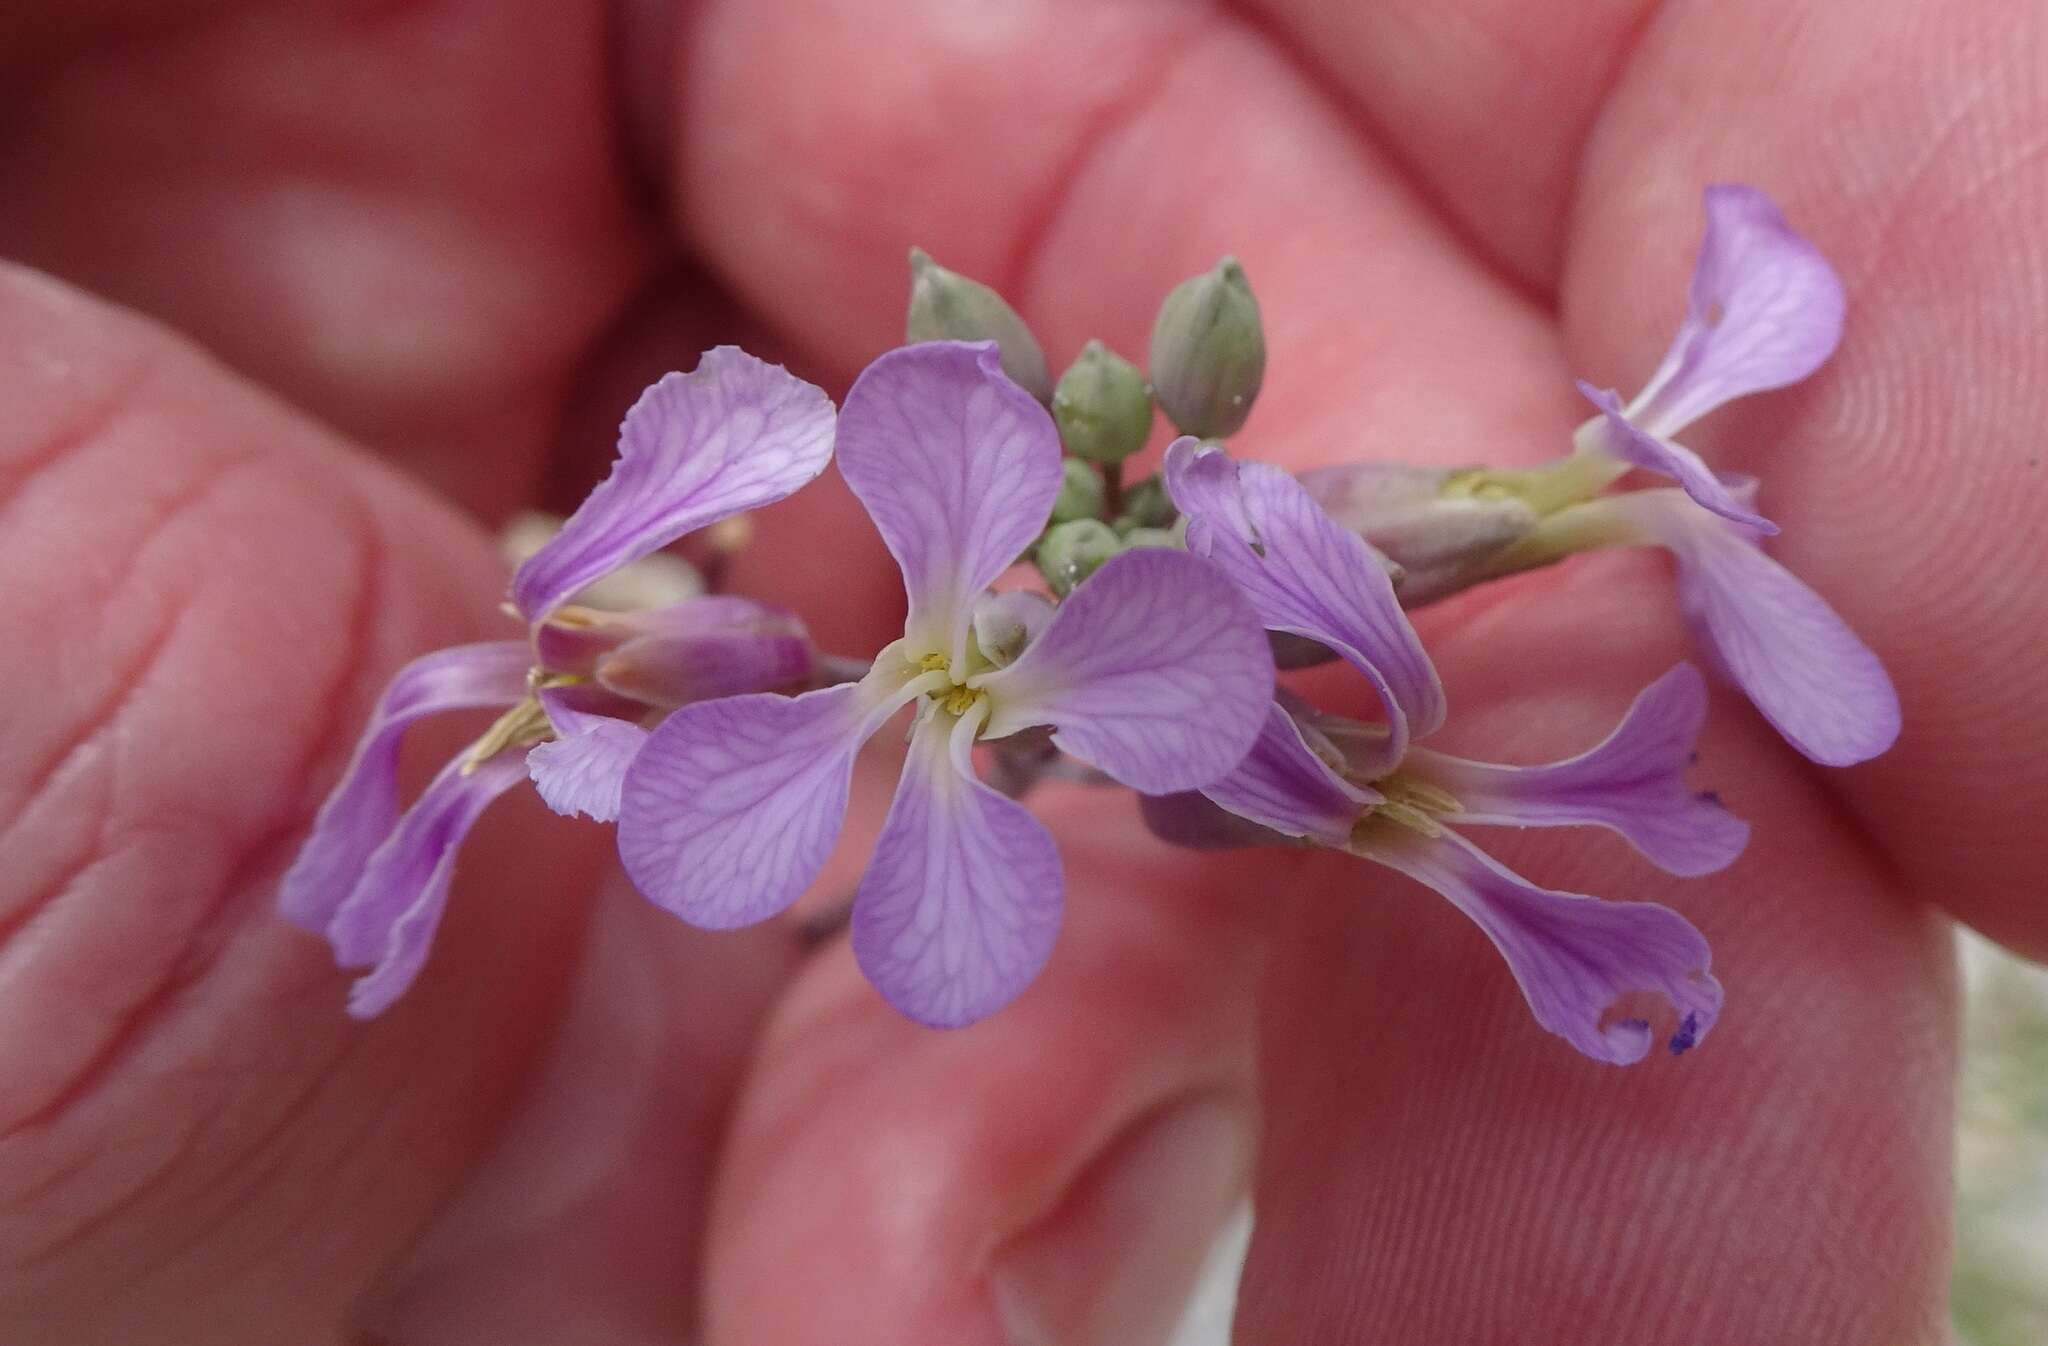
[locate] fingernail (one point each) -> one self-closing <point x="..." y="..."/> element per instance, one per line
<point x="1117" y="1259"/>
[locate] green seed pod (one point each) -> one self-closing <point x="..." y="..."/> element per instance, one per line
<point x="947" y="306"/>
<point x="1081" y="492"/>
<point x="1102" y="406"/>
<point x="1209" y="352"/>
<point x="1071" y="552"/>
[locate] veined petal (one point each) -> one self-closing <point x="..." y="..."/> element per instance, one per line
<point x="1308" y="576"/>
<point x="1764" y="309"/>
<point x="584" y="769"/>
<point x="1155" y="670"/>
<point x="735" y="434"/>
<point x="363" y="807"/>
<point x="1578" y="959"/>
<point x="959" y="908"/>
<point x="1283" y="785"/>
<point x="388" y="921"/>
<point x="957" y="466"/>
<point x="1632" y="783"/>
<point x="1820" y="686"/>
<point x="1615" y="435"/>
<point x="731" y="806"/>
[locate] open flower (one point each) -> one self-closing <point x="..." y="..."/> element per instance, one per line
<point x="1764" y="310"/>
<point x="1155" y="671"/>
<point x="734" y="435"/>
<point x="1583" y="964"/>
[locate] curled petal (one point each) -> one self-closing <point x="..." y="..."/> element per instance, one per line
<point x="584" y="769"/>
<point x="1764" y="310"/>
<point x="1579" y="960"/>
<point x="1632" y="783"/>
<point x="1307" y="576"/>
<point x="1195" y="822"/>
<point x="1818" y="685"/>
<point x="959" y="907"/>
<point x="1156" y="671"/>
<point x="1614" y="435"/>
<point x="731" y="806"/>
<point x="1282" y="784"/>
<point x="363" y="807"/>
<point x="735" y="434"/>
<point x="388" y="922"/>
<point x="958" y="466"/>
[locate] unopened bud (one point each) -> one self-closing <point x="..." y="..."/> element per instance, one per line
<point x="1175" y="537"/>
<point x="1209" y="352"/>
<point x="1102" y="406"/>
<point x="1145" y="505"/>
<point x="1442" y="543"/>
<point x="947" y="306"/>
<point x="1071" y="552"/>
<point x="1081" y="492"/>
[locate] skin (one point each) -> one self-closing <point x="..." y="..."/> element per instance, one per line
<point x="323" y="289"/>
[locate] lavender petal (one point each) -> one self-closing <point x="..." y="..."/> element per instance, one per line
<point x="1579" y="960"/>
<point x="958" y="467"/>
<point x="363" y="806"/>
<point x="1283" y="785"/>
<point x="1764" y="310"/>
<point x="1307" y="576"/>
<point x="388" y="921"/>
<point x="731" y="806"/>
<point x="1632" y="783"/>
<point x="960" y="905"/>
<point x="584" y="769"/>
<point x="1618" y="437"/>
<point x="1156" y="671"/>
<point x="735" y="434"/>
<point x="1813" y="679"/>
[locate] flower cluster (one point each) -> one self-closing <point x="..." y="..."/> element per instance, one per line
<point x="723" y="743"/>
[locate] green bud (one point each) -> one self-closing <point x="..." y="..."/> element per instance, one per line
<point x="1081" y="492"/>
<point x="1174" y="538"/>
<point x="1145" y="505"/>
<point x="1209" y="352"/>
<point x="1071" y="552"/>
<point x="1102" y="405"/>
<point x="947" y="306"/>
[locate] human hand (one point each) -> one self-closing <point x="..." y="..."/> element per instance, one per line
<point x="199" y="1148"/>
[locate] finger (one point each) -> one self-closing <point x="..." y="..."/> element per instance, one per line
<point x="198" y="1143"/>
<point x="584" y="1220"/>
<point x="410" y="222"/>
<point x="1053" y="1174"/>
<point x="1909" y="471"/>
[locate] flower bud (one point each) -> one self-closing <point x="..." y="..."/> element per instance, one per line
<point x="1209" y="352"/>
<point x="1071" y="552"/>
<point x="1174" y="538"/>
<point x="1081" y="492"/>
<point x="1440" y="542"/>
<point x="1102" y="406"/>
<point x="1145" y="505"/>
<point x="947" y="306"/>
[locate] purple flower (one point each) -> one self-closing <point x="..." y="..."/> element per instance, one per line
<point x="1154" y="670"/>
<point x="1764" y="310"/>
<point x="734" y="435"/>
<point x="1583" y="964"/>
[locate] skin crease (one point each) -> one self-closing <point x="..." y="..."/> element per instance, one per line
<point x="445" y="230"/>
